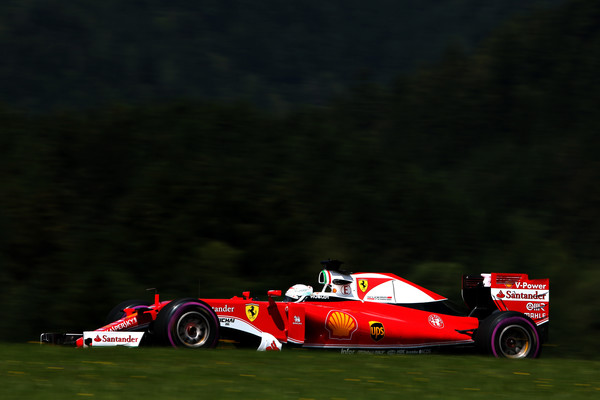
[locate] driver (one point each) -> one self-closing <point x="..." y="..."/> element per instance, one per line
<point x="298" y="293"/>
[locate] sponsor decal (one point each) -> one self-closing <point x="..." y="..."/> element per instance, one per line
<point x="527" y="285"/>
<point x="346" y="289"/>
<point x="297" y="320"/>
<point x="319" y="296"/>
<point x="269" y="343"/>
<point x="252" y="311"/>
<point x="521" y="295"/>
<point x="226" y="321"/>
<point x="436" y="321"/>
<point x="100" y="339"/>
<point x="273" y="347"/>
<point x="107" y="339"/>
<point x="386" y="352"/>
<point x="535" y="316"/>
<point x="536" y="306"/>
<point x="379" y="298"/>
<point x="377" y="330"/>
<point x="363" y="284"/>
<point x="224" y="309"/>
<point x="124" y="325"/>
<point x="340" y="325"/>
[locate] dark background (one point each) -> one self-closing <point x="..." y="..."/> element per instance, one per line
<point x="228" y="145"/>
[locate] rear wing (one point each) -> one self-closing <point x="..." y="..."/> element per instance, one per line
<point x="486" y="293"/>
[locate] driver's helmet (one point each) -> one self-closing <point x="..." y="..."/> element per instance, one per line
<point x="298" y="292"/>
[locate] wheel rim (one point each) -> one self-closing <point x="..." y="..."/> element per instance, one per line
<point x="192" y="329"/>
<point x="515" y="341"/>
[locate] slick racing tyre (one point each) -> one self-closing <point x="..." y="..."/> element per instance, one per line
<point x="188" y="323"/>
<point x="508" y="334"/>
<point x="117" y="312"/>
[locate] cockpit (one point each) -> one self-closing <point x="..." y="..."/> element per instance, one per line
<point x="365" y="286"/>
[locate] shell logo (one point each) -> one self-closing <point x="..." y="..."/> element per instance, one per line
<point x="340" y="325"/>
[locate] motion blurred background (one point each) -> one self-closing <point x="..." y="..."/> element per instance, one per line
<point x="205" y="148"/>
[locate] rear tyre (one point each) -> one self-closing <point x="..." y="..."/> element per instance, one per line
<point x="117" y="312"/>
<point x="509" y="335"/>
<point x="188" y="323"/>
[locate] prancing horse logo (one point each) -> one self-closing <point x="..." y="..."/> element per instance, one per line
<point x="363" y="284"/>
<point x="252" y="311"/>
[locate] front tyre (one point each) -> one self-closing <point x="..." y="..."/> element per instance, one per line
<point x="188" y="323"/>
<point x="509" y="335"/>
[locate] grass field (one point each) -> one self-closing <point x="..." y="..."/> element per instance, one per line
<point x="31" y="371"/>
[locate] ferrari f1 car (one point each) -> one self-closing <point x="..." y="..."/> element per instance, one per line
<point x="507" y="316"/>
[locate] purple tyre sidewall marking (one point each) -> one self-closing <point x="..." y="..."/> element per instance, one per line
<point x="180" y="310"/>
<point x="512" y="320"/>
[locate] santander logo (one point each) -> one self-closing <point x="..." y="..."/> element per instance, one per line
<point x="119" y="339"/>
<point x="116" y="339"/>
<point x="522" y="294"/>
<point x="107" y="338"/>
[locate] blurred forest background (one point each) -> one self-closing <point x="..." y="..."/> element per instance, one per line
<point x="228" y="145"/>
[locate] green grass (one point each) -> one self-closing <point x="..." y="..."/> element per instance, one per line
<point x="31" y="371"/>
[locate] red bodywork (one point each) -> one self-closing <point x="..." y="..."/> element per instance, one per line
<point x="345" y="324"/>
<point x="334" y="323"/>
<point x="364" y="311"/>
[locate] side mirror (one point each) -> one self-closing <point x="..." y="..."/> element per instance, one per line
<point x="275" y="293"/>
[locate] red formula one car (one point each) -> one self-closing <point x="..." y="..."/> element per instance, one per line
<point x="375" y="312"/>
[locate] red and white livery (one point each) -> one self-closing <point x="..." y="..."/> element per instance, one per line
<point x="507" y="316"/>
